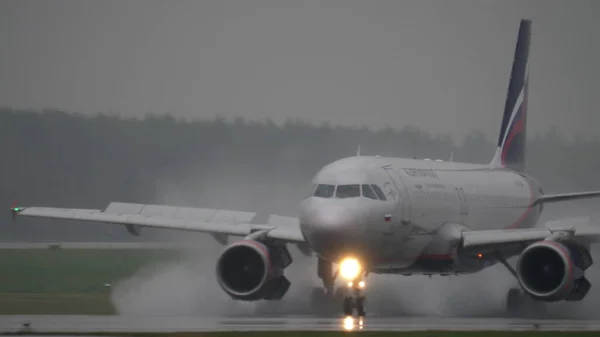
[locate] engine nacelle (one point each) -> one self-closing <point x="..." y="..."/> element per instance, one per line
<point x="553" y="271"/>
<point x="250" y="270"/>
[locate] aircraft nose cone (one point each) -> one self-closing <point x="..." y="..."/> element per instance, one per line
<point x="329" y="219"/>
<point x="324" y="225"/>
<point x="330" y="229"/>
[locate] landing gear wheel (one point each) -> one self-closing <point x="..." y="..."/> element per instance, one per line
<point x="519" y="304"/>
<point x="360" y="306"/>
<point x="355" y="299"/>
<point x="513" y="301"/>
<point x="348" y="306"/>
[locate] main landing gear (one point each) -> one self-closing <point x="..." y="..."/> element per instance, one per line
<point x="326" y="274"/>
<point x="325" y="300"/>
<point x="355" y="299"/>
<point x="518" y="303"/>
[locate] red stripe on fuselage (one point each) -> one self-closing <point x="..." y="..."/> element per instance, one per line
<point x="518" y="128"/>
<point x="435" y="257"/>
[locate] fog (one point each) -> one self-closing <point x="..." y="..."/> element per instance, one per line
<point x="349" y="62"/>
<point x="373" y="76"/>
<point x="250" y="167"/>
<point x="189" y="288"/>
<point x="59" y="159"/>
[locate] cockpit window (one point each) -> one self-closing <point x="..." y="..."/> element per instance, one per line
<point x="324" y="191"/>
<point x="379" y="192"/>
<point x="367" y="192"/>
<point x="348" y="191"/>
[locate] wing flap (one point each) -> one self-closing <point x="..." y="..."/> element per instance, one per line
<point x="493" y="237"/>
<point x="578" y="228"/>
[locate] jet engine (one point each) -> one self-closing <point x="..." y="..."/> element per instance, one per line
<point x="250" y="270"/>
<point x="552" y="271"/>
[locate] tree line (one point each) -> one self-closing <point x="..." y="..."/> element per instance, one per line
<point x="54" y="158"/>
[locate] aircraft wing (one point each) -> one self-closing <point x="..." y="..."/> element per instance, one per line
<point x="577" y="228"/>
<point x="219" y="223"/>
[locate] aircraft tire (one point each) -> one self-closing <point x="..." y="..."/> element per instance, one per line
<point x="520" y="305"/>
<point x="348" y="306"/>
<point x="360" y="306"/>
<point x="513" y="301"/>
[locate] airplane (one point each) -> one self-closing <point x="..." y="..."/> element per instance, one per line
<point x="383" y="215"/>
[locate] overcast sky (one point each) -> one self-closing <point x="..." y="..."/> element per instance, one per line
<point x="440" y="65"/>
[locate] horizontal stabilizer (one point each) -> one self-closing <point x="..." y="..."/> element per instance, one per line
<point x="568" y="196"/>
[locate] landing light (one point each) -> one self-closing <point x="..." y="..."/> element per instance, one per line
<point x="361" y="284"/>
<point x="350" y="269"/>
<point x="349" y="323"/>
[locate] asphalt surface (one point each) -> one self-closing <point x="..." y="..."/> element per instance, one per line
<point x="96" y="324"/>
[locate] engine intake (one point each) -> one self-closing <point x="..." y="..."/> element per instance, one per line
<point x="553" y="271"/>
<point x="250" y="270"/>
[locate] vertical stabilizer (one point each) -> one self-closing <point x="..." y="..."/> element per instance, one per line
<point x="512" y="139"/>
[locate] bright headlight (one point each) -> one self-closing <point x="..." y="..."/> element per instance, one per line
<point x="350" y="269"/>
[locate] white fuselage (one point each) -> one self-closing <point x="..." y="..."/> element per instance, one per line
<point x="425" y="202"/>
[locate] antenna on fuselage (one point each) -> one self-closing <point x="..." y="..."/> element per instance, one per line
<point x="358" y="151"/>
<point x="452" y="156"/>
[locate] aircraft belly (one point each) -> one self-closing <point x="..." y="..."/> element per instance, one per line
<point x="399" y="253"/>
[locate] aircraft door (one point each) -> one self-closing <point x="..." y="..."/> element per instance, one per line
<point x="463" y="206"/>
<point x="403" y="201"/>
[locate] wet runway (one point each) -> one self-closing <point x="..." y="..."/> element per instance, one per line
<point x="94" y="324"/>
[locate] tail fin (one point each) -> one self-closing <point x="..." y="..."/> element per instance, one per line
<point x="511" y="141"/>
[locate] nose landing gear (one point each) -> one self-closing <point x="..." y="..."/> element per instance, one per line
<point x="355" y="299"/>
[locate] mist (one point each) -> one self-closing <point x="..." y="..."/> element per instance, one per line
<point x="70" y="160"/>
<point x="189" y="287"/>
<point x="373" y="76"/>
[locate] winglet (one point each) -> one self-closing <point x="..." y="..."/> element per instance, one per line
<point x="15" y="210"/>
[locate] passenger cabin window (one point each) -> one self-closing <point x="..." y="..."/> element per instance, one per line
<point x="347" y="191"/>
<point x="367" y="192"/>
<point x="324" y="191"/>
<point x="379" y="192"/>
